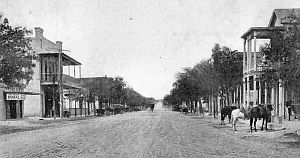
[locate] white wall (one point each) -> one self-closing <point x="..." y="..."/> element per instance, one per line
<point x="32" y="103"/>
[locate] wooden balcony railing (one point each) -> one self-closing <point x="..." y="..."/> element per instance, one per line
<point x="53" y="78"/>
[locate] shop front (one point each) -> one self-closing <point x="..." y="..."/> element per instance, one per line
<point x="14" y="105"/>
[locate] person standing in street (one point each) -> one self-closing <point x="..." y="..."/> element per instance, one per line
<point x="288" y="104"/>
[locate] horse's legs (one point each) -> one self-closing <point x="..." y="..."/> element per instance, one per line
<point x="229" y="118"/>
<point x="222" y="119"/>
<point x="262" y="125"/>
<point x="233" y="124"/>
<point x="266" y="119"/>
<point x="255" y="124"/>
<point x="251" y="122"/>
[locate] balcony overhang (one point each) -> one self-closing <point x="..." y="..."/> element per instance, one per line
<point x="67" y="60"/>
<point x="261" y="32"/>
<point x="68" y="81"/>
<point x="21" y="92"/>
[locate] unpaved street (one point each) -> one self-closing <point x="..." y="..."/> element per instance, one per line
<point x="142" y="134"/>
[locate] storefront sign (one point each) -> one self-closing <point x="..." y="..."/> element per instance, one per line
<point x="12" y="96"/>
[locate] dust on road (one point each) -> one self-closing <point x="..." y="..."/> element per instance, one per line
<point x="161" y="134"/>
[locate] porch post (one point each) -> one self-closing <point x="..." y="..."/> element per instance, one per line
<point x="240" y="96"/>
<point x="234" y="95"/>
<point x="80" y="71"/>
<point x="266" y="93"/>
<point x="248" y="92"/>
<point x="255" y="94"/>
<point x="259" y="92"/>
<point x="254" y="47"/>
<point x="280" y="99"/>
<point x="248" y="55"/>
<point x="244" y="92"/>
<point x="244" y="57"/>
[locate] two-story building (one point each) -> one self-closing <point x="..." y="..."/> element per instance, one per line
<point x="42" y="93"/>
<point x="46" y="79"/>
<point x="254" y="90"/>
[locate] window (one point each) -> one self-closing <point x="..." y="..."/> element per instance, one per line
<point x="297" y="96"/>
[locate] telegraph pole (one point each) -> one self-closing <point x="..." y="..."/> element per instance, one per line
<point x="60" y="78"/>
<point x="60" y="84"/>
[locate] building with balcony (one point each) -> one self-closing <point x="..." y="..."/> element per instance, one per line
<point x="254" y="90"/>
<point x="42" y="92"/>
<point x="46" y="80"/>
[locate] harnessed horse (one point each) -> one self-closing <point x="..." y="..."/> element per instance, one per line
<point x="260" y="111"/>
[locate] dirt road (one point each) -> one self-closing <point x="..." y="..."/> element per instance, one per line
<point x="143" y="134"/>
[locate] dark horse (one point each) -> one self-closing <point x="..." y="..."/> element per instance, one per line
<point x="151" y="107"/>
<point x="260" y="111"/>
<point x="185" y="110"/>
<point x="226" y="111"/>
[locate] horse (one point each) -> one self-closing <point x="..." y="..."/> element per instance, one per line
<point x="226" y="111"/>
<point x="260" y="111"/>
<point x="236" y="114"/>
<point x="110" y="110"/>
<point x="152" y="107"/>
<point x="100" y="112"/>
<point x="184" y="109"/>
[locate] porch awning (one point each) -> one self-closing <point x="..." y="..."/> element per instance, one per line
<point x="67" y="60"/>
<point x="19" y="92"/>
<point x="262" y="32"/>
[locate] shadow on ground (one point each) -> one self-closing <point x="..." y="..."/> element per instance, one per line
<point x="291" y="140"/>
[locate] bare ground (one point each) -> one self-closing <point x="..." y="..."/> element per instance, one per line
<point x="160" y="134"/>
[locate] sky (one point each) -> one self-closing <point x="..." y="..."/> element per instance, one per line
<point x="144" y="41"/>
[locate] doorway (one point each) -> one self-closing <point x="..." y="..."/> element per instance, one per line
<point x="14" y="109"/>
<point x="51" y="98"/>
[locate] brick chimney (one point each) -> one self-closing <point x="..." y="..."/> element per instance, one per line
<point x="38" y="32"/>
<point x="59" y="44"/>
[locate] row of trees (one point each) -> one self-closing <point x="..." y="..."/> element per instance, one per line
<point x="219" y="75"/>
<point x="16" y="70"/>
<point x="108" y="90"/>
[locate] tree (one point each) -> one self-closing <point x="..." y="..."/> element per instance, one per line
<point x="135" y="99"/>
<point x="228" y="65"/>
<point x="16" y="55"/>
<point x="117" y="90"/>
<point x="81" y="95"/>
<point x="221" y="73"/>
<point x="282" y="54"/>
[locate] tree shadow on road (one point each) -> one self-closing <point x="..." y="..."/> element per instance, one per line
<point x="291" y="140"/>
<point x="219" y="126"/>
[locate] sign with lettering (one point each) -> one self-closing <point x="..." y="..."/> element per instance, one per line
<point x="13" y="96"/>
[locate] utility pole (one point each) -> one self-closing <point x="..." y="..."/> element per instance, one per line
<point x="53" y="95"/>
<point x="60" y="78"/>
<point x="60" y="84"/>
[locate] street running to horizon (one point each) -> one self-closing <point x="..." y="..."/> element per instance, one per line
<point x="143" y="134"/>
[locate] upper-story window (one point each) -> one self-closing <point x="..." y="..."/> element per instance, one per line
<point x="49" y="69"/>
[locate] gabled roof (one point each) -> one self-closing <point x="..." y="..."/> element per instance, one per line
<point x="281" y="14"/>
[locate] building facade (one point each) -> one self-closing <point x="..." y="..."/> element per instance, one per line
<point x="254" y="90"/>
<point x="41" y="96"/>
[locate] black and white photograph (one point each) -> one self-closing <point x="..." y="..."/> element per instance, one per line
<point x="149" y="78"/>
